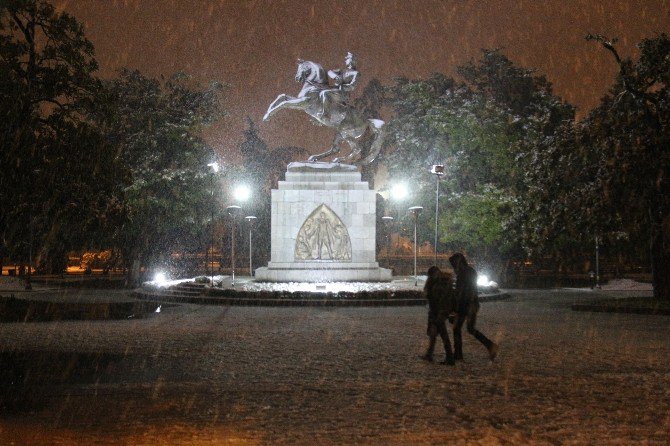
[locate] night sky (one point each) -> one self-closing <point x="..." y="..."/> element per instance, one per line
<point x="253" y="46"/>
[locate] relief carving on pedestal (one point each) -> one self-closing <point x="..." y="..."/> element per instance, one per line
<point x="323" y="236"/>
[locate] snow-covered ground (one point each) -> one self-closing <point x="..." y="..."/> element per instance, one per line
<point x="626" y="285"/>
<point x="246" y="283"/>
<point x="209" y="375"/>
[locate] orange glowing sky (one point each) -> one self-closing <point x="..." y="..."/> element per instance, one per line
<point x="253" y="45"/>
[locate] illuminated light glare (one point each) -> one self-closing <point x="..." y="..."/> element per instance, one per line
<point x="483" y="280"/>
<point x="214" y="166"/>
<point x="242" y="193"/>
<point x="399" y="191"/>
<point x="160" y="278"/>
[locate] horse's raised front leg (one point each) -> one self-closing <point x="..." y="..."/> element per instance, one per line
<point x="273" y="106"/>
<point x="284" y="101"/>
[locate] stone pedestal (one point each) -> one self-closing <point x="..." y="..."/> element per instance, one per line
<point x="323" y="227"/>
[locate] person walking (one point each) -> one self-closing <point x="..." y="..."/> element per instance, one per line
<point x="467" y="307"/>
<point x="439" y="291"/>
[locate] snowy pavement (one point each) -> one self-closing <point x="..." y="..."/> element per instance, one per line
<point x="208" y="375"/>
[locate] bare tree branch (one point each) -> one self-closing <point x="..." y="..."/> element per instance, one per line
<point x="626" y="76"/>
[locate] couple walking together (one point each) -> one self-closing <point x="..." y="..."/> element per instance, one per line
<point x="459" y="304"/>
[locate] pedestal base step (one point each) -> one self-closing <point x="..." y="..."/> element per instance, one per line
<point x="270" y="274"/>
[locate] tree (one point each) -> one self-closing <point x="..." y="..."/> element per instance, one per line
<point x="156" y="127"/>
<point x="369" y="104"/>
<point x="631" y="126"/>
<point x="483" y="129"/>
<point x="607" y="175"/>
<point x="476" y="221"/>
<point x="57" y="177"/>
<point x="558" y="216"/>
<point x="414" y="144"/>
<point x="261" y="169"/>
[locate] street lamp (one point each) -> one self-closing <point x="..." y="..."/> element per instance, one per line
<point x="210" y="265"/>
<point x="399" y="191"/>
<point x="233" y="211"/>
<point x="398" y="194"/>
<point x="415" y="211"/>
<point x="242" y="193"/>
<point x="250" y="221"/>
<point x="388" y="220"/>
<point x="438" y="171"/>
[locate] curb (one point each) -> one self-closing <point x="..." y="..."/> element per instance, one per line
<point x="624" y="310"/>
<point x="251" y="299"/>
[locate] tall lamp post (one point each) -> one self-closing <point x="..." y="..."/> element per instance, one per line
<point x="399" y="192"/>
<point x="240" y="194"/>
<point x="233" y="211"/>
<point x="250" y="221"/>
<point x="210" y="265"/>
<point x="415" y="211"/>
<point x="597" y="262"/>
<point x="388" y="220"/>
<point x="29" y="285"/>
<point x="438" y="171"/>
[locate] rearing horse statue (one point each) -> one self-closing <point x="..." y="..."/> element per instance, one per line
<point x="329" y="105"/>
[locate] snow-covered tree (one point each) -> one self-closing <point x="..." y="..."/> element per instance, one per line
<point x="483" y="129"/>
<point x="261" y="169"/>
<point x="156" y="126"/>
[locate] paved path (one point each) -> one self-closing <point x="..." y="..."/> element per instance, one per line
<point x="208" y="375"/>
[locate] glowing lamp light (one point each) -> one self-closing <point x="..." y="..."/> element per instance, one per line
<point x="242" y="193"/>
<point x="214" y="166"/>
<point x="399" y="191"/>
<point x="483" y="280"/>
<point x="160" y="278"/>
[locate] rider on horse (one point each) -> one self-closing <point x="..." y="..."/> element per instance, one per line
<point x="329" y="105"/>
<point x="345" y="81"/>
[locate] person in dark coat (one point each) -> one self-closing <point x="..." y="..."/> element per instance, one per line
<point x="439" y="290"/>
<point x="467" y="307"/>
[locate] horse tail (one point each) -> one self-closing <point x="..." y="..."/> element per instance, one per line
<point x="377" y="127"/>
<point x="376" y="124"/>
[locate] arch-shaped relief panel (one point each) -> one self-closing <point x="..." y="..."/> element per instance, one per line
<point x="323" y="237"/>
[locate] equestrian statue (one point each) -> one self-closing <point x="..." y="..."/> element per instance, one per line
<point x="330" y="105"/>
